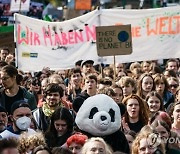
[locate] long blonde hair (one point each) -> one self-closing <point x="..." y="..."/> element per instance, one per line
<point x="145" y="132"/>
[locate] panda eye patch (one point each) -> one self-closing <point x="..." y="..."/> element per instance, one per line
<point x="93" y="111"/>
<point x="112" y="114"/>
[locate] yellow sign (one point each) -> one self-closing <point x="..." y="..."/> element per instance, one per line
<point x="25" y="54"/>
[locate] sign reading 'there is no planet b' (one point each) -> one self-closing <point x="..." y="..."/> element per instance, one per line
<point x="113" y="40"/>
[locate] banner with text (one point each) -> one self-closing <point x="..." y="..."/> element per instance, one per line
<point x="58" y="45"/>
<point x="117" y="38"/>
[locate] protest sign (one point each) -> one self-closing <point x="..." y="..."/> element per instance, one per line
<point x="83" y="4"/>
<point x="58" y="45"/>
<point x="113" y="40"/>
<point x="19" y="5"/>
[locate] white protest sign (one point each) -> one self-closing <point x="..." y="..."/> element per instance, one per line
<point x="19" y="5"/>
<point x="58" y="45"/>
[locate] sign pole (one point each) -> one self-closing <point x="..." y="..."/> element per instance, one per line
<point x="114" y="67"/>
<point x="20" y="7"/>
<point x="113" y="40"/>
<point x="101" y="68"/>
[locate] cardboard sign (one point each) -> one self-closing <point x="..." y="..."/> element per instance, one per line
<point x="83" y="4"/>
<point x="113" y="40"/>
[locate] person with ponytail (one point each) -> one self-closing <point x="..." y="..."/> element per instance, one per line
<point x="12" y="91"/>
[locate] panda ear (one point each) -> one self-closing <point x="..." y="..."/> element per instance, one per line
<point x="93" y="111"/>
<point x="112" y="114"/>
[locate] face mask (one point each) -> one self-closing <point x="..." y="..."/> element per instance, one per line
<point x="30" y="152"/>
<point x="23" y="123"/>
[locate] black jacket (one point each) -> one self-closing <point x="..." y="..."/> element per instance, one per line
<point x="53" y="140"/>
<point x="27" y="96"/>
<point x="79" y="100"/>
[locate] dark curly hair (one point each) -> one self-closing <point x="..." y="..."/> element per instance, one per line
<point x="53" y="87"/>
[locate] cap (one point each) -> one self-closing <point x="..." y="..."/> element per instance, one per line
<point x="87" y="62"/>
<point x="78" y="62"/>
<point x="2" y="109"/>
<point x="18" y="104"/>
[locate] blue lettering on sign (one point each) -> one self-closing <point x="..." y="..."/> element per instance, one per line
<point x="123" y="36"/>
<point x="33" y="55"/>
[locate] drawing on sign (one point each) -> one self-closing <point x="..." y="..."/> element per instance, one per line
<point x="114" y="40"/>
<point x="123" y="36"/>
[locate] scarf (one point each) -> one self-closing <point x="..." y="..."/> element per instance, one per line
<point x="47" y="111"/>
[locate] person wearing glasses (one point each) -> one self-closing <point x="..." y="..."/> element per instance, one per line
<point x="35" y="88"/>
<point x="173" y="84"/>
<point x="12" y="91"/>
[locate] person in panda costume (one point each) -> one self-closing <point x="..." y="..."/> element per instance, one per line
<point x="99" y="116"/>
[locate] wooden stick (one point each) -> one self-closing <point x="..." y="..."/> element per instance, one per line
<point x="114" y="67"/>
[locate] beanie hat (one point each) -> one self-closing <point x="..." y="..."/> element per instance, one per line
<point x="2" y="109"/>
<point x="18" y="104"/>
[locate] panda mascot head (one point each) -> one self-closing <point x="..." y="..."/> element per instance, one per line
<point x="99" y="115"/>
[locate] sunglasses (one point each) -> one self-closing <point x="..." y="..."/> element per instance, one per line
<point x="173" y="85"/>
<point x="36" y="84"/>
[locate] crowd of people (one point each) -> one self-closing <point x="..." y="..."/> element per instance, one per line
<point x="38" y="110"/>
